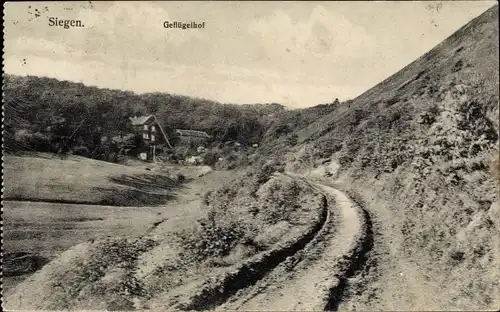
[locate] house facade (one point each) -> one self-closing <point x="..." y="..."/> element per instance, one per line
<point x="149" y="136"/>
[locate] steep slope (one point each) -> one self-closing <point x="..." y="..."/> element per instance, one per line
<point x="417" y="148"/>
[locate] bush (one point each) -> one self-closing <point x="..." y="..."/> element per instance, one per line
<point x="210" y="158"/>
<point x="292" y="140"/>
<point x="214" y="239"/>
<point x="266" y="171"/>
<point x="181" y="178"/>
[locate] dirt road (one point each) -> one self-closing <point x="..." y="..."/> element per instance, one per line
<point x="314" y="278"/>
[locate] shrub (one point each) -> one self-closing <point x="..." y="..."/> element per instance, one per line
<point x="212" y="239"/>
<point x="181" y="178"/>
<point x="266" y="171"/>
<point x="292" y="139"/>
<point x="210" y="158"/>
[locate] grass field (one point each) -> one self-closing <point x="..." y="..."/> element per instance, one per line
<point x="48" y="178"/>
<point x="48" y="229"/>
<point x="53" y="219"/>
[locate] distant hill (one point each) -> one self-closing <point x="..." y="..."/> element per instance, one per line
<point x="41" y="114"/>
<point x="420" y="144"/>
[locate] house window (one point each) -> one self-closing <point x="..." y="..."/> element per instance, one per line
<point x="145" y="127"/>
<point x="153" y="128"/>
<point x="153" y="137"/>
<point x="145" y="136"/>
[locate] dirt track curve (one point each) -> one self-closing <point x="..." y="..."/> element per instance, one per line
<point x="314" y="276"/>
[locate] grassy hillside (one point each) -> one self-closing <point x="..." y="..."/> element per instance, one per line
<point x="75" y="179"/>
<point x="281" y="134"/>
<point x="41" y="231"/>
<point x="421" y="144"/>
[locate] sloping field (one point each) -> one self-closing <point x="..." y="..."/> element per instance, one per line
<point x="45" y="230"/>
<point x="35" y="232"/>
<point x="75" y="179"/>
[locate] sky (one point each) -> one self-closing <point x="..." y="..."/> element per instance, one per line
<point x="298" y="54"/>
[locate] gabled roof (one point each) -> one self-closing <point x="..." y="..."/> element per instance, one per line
<point x="192" y="133"/>
<point x="141" y="120"/>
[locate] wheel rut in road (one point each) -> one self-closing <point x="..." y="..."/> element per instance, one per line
<point x="358" y="263"/>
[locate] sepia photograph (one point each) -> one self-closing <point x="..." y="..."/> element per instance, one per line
<point x="250" y="156"/>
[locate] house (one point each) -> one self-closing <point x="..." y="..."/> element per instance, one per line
<point x="149" y="135"/>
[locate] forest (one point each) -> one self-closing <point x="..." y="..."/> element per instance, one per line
<point x="47" y="115"/>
